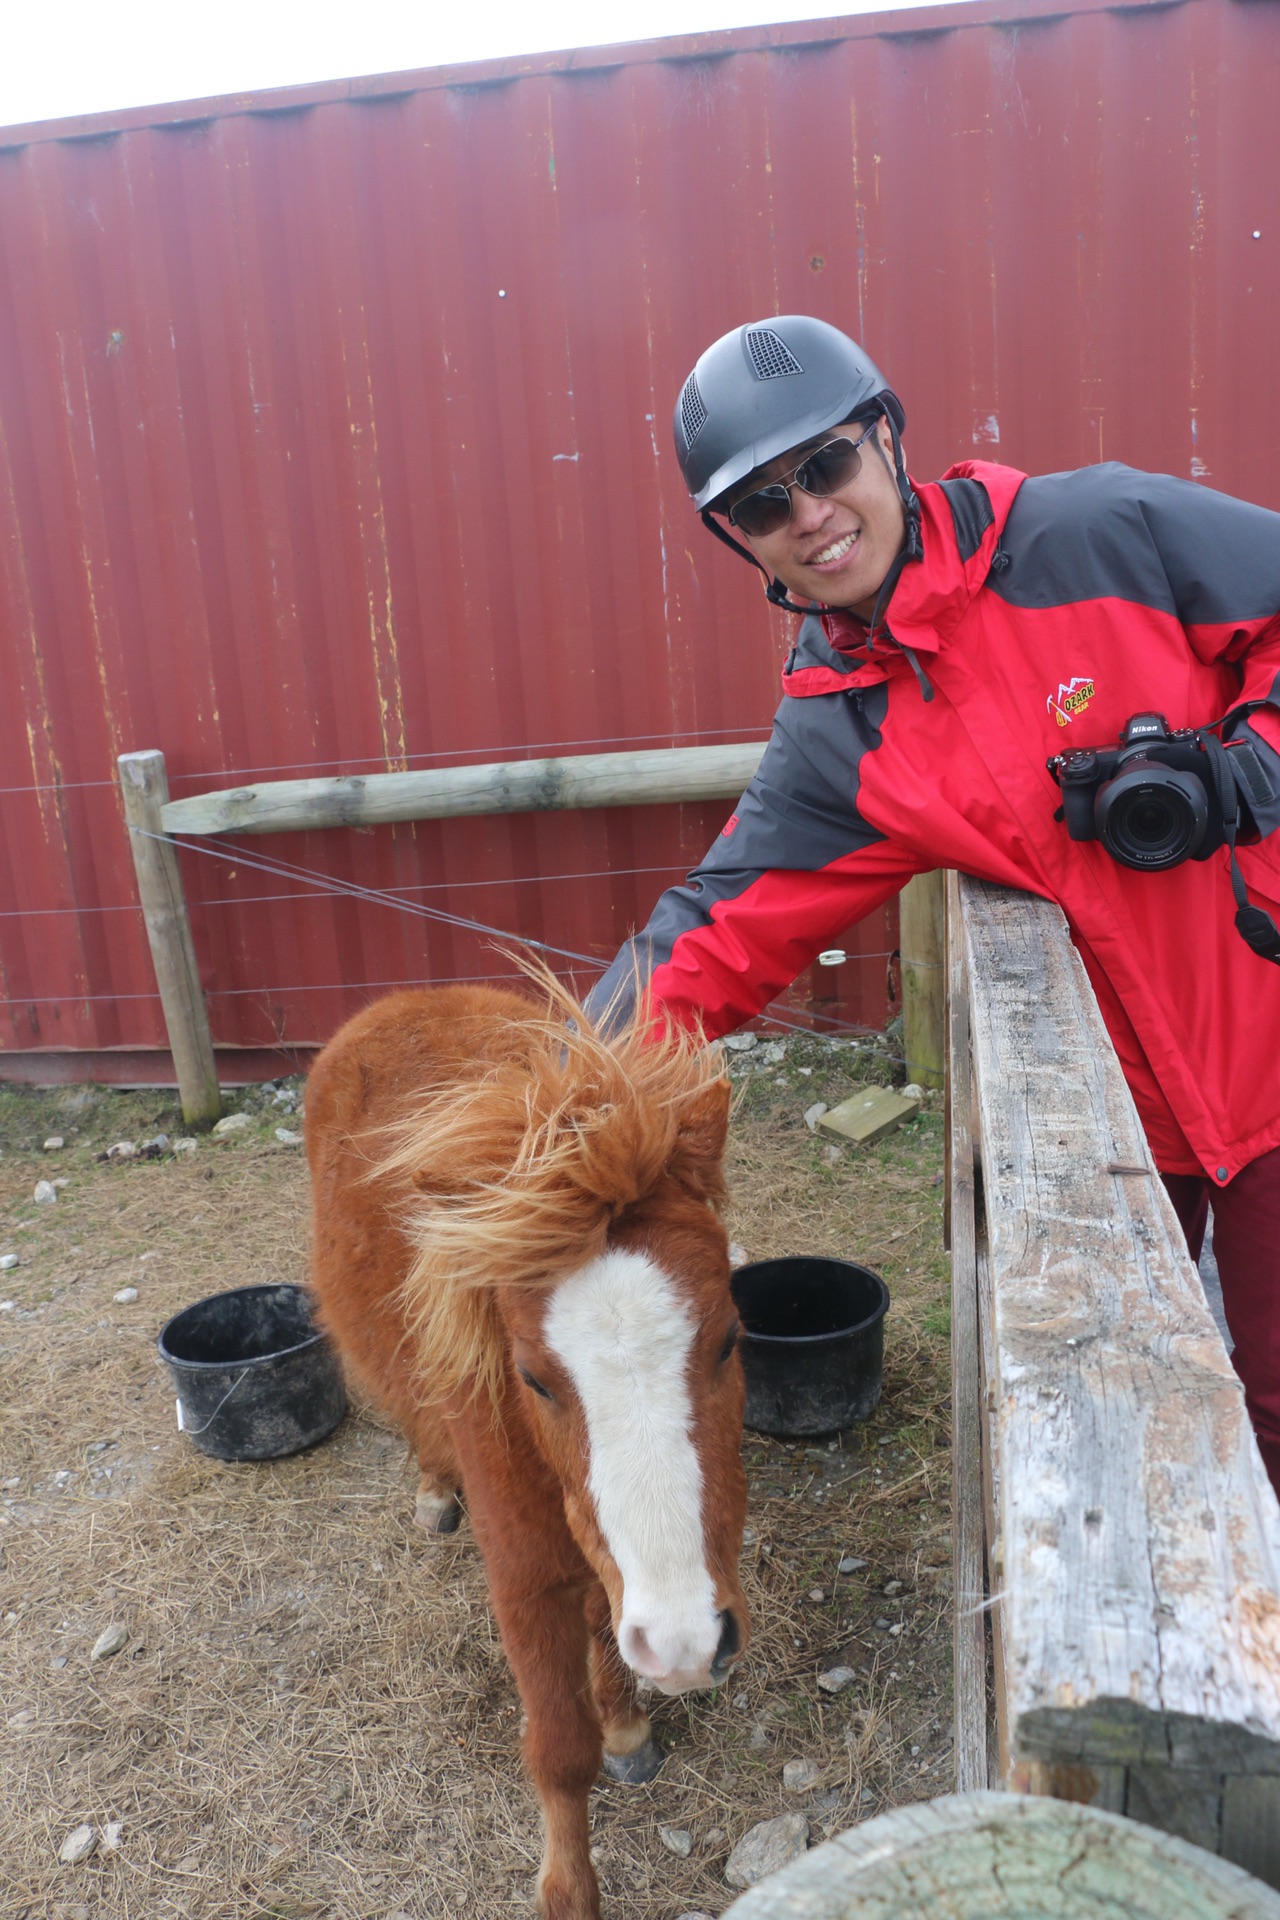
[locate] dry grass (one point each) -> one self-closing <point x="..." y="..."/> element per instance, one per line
<point x="312" y="1714"/>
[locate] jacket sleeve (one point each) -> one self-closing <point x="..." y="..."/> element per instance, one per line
<point x="795" y="864"/>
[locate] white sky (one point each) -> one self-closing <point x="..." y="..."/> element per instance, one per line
<point x="65" y="57"/>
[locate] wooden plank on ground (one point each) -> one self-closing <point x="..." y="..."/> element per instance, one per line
<point x="868" y="1115"/>
<point x="1138" y="1536"/>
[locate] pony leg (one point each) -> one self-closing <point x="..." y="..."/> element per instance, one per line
<point x="631" y="1754"/>
<point x="436" y="1506"/>
<point x="545" y="1635"/>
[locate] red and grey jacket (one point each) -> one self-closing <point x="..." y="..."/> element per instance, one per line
<point x="1043" y="614"/>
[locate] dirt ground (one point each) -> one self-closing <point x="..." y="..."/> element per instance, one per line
<point x="310" y="1713"/>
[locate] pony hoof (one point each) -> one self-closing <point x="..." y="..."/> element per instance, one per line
<point x="436" y="1515"/>
<point x="633" y="1769"/>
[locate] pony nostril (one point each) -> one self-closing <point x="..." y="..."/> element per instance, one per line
<point x="730" y="1644"/>
<point x="637" y="1652"/>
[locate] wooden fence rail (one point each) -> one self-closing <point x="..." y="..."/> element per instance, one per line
<point x="651" y="777"/>
<point x="1132" y="1540"/>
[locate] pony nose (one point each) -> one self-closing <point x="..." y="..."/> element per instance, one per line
<point x="728" y="1648"/>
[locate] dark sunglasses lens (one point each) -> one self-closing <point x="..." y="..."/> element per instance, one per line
<point x="763" y="512"/>
<point x="830" y="468"/>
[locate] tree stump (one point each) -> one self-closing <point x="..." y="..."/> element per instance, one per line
<point x="997" y="1856"/>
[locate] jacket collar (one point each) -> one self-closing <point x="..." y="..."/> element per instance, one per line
<point x="929" y="602"/>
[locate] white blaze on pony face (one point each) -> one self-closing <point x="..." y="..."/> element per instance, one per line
<point x="623" y="1333"/>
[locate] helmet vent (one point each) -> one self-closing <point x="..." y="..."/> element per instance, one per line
<point x="770" y="355"/>
<point x="693" y="410"/>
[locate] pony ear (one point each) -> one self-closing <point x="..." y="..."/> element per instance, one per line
<point x="699" y="1145"/>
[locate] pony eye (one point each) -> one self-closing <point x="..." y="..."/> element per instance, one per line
<point x="537" y="1385"/>
<point x="731" y="1341"/>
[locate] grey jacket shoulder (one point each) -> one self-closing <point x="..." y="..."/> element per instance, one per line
<point x="1113" y="532"/>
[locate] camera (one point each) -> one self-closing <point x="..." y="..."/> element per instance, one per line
<point x="1152" y="801"/>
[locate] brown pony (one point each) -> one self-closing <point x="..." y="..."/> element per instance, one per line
<point x="517" y="1252"/>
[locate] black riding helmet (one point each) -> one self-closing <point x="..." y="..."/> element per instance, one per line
<point x="770" y="386"/>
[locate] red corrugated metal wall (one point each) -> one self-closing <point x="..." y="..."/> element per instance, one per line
<point x="334" y="434"/>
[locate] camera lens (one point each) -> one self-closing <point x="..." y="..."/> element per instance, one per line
<point x="1151" y="816"/>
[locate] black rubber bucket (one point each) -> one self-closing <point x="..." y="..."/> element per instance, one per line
<point x="256" y="1378"/>
<point x="812" y="1344"/>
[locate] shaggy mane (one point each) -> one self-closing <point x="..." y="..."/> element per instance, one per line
<point x="514" y="1169"/>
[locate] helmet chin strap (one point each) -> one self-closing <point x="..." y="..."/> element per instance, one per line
<point x="912" y="547"/>
<point x="774" y="590"/>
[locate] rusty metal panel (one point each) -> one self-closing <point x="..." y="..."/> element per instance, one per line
<point x="334" y="435"/>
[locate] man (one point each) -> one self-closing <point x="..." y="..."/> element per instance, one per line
<point x="954" y="638"/>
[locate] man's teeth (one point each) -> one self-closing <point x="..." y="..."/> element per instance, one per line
<point x="835" y="552"/>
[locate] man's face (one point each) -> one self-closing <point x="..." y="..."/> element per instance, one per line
<point x="838" y="549"/>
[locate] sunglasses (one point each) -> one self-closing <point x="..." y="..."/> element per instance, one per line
<point x="824" y="471"/>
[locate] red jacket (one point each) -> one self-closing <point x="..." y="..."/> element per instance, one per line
<point x="1044" y="613"/>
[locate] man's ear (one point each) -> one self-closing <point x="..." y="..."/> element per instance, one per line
<point x="699" y="1147"/>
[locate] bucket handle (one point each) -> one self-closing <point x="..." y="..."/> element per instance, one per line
<point x="193" y="1431"/>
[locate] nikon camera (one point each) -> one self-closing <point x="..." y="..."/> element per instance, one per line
<point x="1153" y="800"/>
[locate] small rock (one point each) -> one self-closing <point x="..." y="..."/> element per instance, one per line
<point x="45" y="1192"/>
<point x="715" y="1837"/>
<point x="58" y="1662"/>
<point x="186" y="1144"/>
<point x="813" y="1114"/>
<point x="109" y="1641"/>
<point x="230" y="1123"/>
<point x="18" y="1721"/>
<point x="766" y="1848"/>
<point x="760" y="1738"/>
<point x="740" y="1701"/>
<point x="913" y="1092"/>
<point x="740" y="1042"/>
<point x="122" y="1150"/>
<point x="817" y="1594"/>
<point x="288" y="1139"/>
<point x="737" y="1255"/>
<point x="676" y="1840"/>
<point x="836" y="1679"/>
<point x="78" y="1845"/>
<point x="111" y="1835"/>
<point x="884" y="1625"/>
<point x="8" y="1261"/>
<point x="748" y="1536"/>
<point x="851" y="1564"/>
<point x="774" y="1053"/>
<point x="895" y="1629"/>
<point x="694" y="1916"/>
<point x="125" y="1297"/>
<point x="54" y="1141"/>
<point x="832" y="1154"/>
<point x="893" y="1586"/>
<point x="6" y="1306"/>
<point x="283" y="1097"/>
<point x="799" y="1775"/>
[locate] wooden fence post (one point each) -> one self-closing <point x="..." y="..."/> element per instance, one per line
<point x="145" y="789"/>
<point x="922" y="943"/>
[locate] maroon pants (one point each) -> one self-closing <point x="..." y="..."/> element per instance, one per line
<point x="1246" y="1245"/>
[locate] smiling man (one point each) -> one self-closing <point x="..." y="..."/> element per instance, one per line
<point x="955" y="638"/>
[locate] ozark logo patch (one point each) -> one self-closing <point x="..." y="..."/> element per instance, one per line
<point x="1072" y="697"/>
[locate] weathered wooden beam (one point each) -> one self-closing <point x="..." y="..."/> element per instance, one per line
<point x="992" y="1856"/>
<point x="653" y="777"/>
<point x="922" y="945"/>
<point x="145" y="789"/>
<point x="969" y="1595"/>
<point x="1138" y="1538"/>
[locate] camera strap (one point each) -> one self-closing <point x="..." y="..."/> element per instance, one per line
<point x="1255" y="927"/>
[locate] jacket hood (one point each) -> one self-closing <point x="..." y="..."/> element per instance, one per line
<point x="962" y="517"/>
